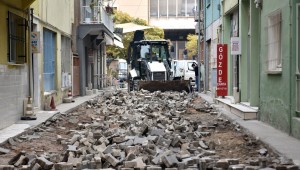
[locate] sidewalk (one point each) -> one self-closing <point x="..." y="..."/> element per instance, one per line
<point x="42" y="116"/>
<point x="275" y="139"/>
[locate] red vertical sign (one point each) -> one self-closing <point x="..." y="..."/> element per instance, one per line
<point x="222" y="86"/>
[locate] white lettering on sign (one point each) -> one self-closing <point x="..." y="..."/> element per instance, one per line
<point x="220" y="57"/>
<point x="222" y="69"/>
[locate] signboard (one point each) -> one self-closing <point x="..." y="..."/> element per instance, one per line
<point x="222" y="87"/>
<point x="235" y="46"/>
<point x="35" y="42"/>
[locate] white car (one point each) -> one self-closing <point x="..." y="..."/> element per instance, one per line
<point x="182" y="69"/>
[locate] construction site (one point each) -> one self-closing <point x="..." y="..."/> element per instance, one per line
<point x="140" y="130"/>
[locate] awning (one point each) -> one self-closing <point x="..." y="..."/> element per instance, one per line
<point x="118" y="41"/>
<point x="131" y="27"/>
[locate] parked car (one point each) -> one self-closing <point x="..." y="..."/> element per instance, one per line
<point x="182" y="69"/>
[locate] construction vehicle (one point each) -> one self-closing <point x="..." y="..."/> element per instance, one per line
<point x="149" y="66"/>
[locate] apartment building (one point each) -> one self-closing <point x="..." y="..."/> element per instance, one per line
<point x="15" y="61"/>
<point x="176" y="17"/>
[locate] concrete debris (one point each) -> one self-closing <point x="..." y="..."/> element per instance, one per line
<point x="4" y="151"/>
<point x="140" y="130"/>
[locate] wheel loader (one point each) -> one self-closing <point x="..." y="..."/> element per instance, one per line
<point x="149" y="66"/>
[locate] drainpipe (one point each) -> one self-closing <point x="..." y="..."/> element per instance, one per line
<point x="291" y="70"/>
<point x="260" y="65"/>
<point x="205" y="57"/>
<point x="199" y="44"/>
<point x="30" y="67"/>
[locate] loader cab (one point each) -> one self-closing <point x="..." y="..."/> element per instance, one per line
<point x="141" y="55"/>
<point x="153" y="50"/>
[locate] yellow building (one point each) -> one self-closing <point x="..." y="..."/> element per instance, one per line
<point x="52" y="62"/>
<point x="14" y="59"/>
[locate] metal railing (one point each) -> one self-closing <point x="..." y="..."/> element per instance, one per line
<point x="96" y="15"/>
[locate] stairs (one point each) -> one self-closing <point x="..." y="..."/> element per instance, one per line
<point x="242" y="110"/>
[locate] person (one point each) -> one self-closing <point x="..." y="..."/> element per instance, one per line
<point x="195" y="66"/>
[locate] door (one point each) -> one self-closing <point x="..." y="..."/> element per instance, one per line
<point x="76" y="76"/>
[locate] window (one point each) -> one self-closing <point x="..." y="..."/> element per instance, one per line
<point x="172" y="9"/>
<point x="181" y="8"/>
<point x="154" y="8"/>
<point x="274" y="41"/>
<point x="16" y="39"/>
<point x="66" y="61"/>
<point x="49" y="60"/>
<point x="163" y="8"/>
<point x="191" y="8"/>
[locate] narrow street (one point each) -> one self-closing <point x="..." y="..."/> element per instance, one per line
<point x="140" y="130"/>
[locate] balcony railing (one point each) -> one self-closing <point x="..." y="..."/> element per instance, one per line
<point x="96" y="15"/>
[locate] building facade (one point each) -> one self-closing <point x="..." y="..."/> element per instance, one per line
<point x="243" y="68"/>
<point x="175" y="17"/>
<point x="279" y="75"/>
<point x="52" y="61"/>
<point x="213" y="36"/>
<point x="15" y="61"/>
<point x="94" y="30"/>
<point x="265" y="73"/>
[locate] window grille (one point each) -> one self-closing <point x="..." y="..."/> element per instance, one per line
<point x="16" y="39"/>
<point x="274" y="41"/>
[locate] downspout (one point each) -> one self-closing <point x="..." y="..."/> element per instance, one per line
<point x="30" y="25"/>
<point x="204" y="51"/>
<point x="291" y="70"/>
<point x="260" y="65"/>
<point x="199" y="44"/>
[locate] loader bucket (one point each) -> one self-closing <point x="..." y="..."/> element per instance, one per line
<point x="174" y="85"/>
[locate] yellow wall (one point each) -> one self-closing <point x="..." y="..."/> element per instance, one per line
<point x="3" y="30"/>
<point x="3" y="34"/>
<point x="59" y="13"/>
<point x="57" y="16"/>
<point x="36" y="7"/>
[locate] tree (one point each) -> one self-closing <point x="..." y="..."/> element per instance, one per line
<point x="150" y="34"/>
<point x="191" y="44"/>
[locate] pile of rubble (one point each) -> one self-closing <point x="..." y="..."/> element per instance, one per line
<point x="140" y="130"/>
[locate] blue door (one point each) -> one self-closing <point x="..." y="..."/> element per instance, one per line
<point x="49" y="60"/>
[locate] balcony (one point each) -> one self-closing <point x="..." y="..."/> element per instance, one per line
<point x="96" y="15"/>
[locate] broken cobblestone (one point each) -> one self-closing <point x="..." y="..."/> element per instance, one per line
<point x="140" y="130"/>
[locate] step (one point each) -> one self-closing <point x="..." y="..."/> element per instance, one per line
<point x="241" y="110"/>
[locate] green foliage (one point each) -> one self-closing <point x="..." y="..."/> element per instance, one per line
<point x="192" y="44"/>
<point x="120" y="17"/>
